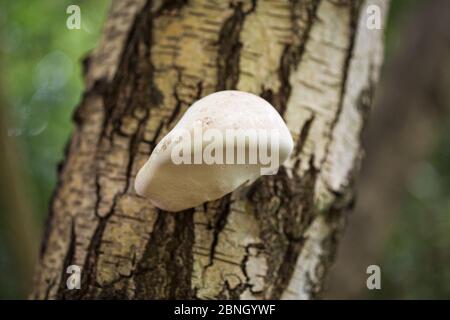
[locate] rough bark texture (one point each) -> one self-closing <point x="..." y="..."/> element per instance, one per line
<point x="314" y="60"/>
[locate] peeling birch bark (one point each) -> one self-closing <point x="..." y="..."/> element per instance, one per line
<point x="314" y="60"/>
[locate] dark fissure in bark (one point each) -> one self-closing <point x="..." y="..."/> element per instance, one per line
<point x="292" y="55"/>
<point x="164" y="272"/>
<point x="220" y="219"/>
<point x="355" y="8"/>
<point x="68" y="259"/>
<point x="229" y="48"/>
<point x="302" y="139"/>
<point x="286" y="204"/>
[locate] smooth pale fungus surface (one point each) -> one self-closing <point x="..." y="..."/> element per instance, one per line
<point x="222" y="141"/>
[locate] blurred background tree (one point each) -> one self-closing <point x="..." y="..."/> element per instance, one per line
<point x="40" y="60"/>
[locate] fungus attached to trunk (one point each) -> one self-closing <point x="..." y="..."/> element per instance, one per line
<point x="222" y="141"/>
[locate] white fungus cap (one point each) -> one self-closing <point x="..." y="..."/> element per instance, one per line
<point x="180" y="175"/>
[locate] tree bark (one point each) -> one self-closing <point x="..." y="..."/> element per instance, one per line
<point x="314" y="60"/>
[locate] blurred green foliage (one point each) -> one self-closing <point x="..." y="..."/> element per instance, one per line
<point x="416" y="264"/>
<point x="416" y="259"/>
<point x="397" y="9"/>
<point x="42" y="84"/>
<point x="42" y="78"/>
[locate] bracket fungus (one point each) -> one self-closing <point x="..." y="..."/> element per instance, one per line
<point x="222" y="141"/>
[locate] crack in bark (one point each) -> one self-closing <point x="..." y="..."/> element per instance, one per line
<point x="304" y="132"/>
<point x="89" y="270"/>
<point x="177" y="108"/>
<point x="259" y="247"/>
<point x="67" y="260"/>
<point x="291" y="57"/>
<point x="219" y="223"/>
<point x="355" y="8"/>
<point x="164" y="271"/>
<point x="229" y="48"/>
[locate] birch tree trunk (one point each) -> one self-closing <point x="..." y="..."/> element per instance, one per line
<point x="316" y="61"/>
